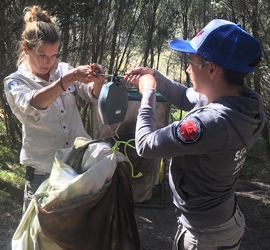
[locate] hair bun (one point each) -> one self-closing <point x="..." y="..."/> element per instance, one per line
<point x="35" y="13"/>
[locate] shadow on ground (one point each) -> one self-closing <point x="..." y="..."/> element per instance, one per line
<point x="158" y="226"/>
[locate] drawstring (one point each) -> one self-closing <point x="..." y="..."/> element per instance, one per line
<point x="116" y="148"/>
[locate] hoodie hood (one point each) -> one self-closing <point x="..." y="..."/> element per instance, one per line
<point x="244" y="112"/>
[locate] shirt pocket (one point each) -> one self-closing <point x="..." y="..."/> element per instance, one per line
<point x="69" y="96"/>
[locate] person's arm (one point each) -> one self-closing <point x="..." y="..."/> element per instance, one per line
<point x="85" y="74"/>
<point x="97" y="80"/>
<point x="19" y="95"/>
<point x="175" y="93"/>
<point x="175" y="139"/>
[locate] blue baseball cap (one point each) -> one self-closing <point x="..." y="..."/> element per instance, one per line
<point x="223" y="43"/>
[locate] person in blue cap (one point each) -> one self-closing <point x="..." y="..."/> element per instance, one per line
<point x="209" y="145"/>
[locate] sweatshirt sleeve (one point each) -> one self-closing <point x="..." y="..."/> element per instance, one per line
<point x="176" y="93"/>
<point x="197" y="133"/>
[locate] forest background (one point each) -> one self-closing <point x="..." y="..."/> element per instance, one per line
<point x="121" y="35"/>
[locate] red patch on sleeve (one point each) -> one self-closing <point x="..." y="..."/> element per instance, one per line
<point x="189" y="130"/>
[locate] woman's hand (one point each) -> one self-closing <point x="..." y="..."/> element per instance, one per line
<point x="85" y="74"/>
<point x="142" y="76"/>
<point x="133" y="76"/>
<point x="94" y="74"/>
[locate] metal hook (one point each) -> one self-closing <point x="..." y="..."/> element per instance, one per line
<point x="114" y="133"/>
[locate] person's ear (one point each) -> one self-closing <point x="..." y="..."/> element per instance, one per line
<point x="25" y="49"/>
<point x="213" y="69"/>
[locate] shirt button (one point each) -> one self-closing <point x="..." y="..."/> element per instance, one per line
<point x="66" y="143"/>
<point x="62" y="111"/>
<point x="69" y="89"/>
<point x="51" y="80"/>
<point x="64" y="127"/>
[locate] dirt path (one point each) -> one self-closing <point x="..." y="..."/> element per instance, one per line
<point x="157" y="226"/>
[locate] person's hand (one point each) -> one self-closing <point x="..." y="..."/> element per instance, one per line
<point x="147" y="82"/>
<point x="80" y="73"/>
<point x="133" y="76"/>
<point x="87" y="73"/>
<point x="94" y="74"/>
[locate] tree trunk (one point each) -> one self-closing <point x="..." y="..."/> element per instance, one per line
<point x="185" y="34"/>
<point x="115" y="34"/>
<point x="255" y="29"/>
<point x="104" y="31"/>
<point x="150" y="33"/>
<point x="65" y="35"/>
<point x="84" y="49"/>
<point x="129" y="37"/>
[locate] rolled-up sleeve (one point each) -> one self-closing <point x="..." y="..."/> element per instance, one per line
<point x="19" y="97"/>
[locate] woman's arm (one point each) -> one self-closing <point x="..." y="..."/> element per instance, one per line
<point x="85" y="74"/>
<point x="175" y="93"/>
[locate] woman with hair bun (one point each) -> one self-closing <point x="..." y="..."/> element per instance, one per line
<point x="41" y="94"/>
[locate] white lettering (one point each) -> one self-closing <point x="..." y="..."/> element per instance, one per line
<point x="240" y="153"/>
<point x="239" y="166"/>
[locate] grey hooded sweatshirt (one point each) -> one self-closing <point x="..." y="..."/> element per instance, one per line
<point x="208" y="148"/>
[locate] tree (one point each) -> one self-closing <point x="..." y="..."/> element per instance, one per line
<point x="120" y="34"/>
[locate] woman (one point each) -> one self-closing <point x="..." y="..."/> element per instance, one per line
<point x="209" y="146"/>
<point x="41" y="94"/>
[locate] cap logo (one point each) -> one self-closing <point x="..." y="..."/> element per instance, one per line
<point x="189" y="130"/>
<point x="199" y="39"/>
<point x="199" y="33"/>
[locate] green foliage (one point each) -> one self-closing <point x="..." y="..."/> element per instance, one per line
<point x="11" y="194"/>
<point x="8" y="154"/>
<point x="14" y="175"/>
<point x="176" y="114"/>
<point x="9" y="150"/>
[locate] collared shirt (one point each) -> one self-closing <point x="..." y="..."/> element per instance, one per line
<point x="45" y="131"/>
